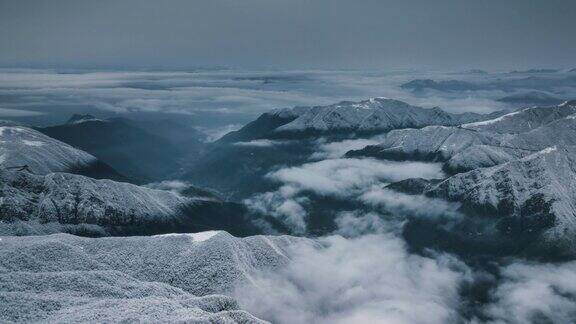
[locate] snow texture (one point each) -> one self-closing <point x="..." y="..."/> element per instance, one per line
<point x="64" y="278"/>
<point x="539" y="189"/>
<point x="376" y="114"/>
<point x="484" y="144"/>
<point x="62" y="198"/>
<point x="21" y="146"/>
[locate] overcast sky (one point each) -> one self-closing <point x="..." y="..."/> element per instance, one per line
<point x="360" y="34"/>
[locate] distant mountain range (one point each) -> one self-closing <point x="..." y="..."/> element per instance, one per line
<point x="481" y="144"/>
<point x="532" y="98"/>
<point x="376" y="115"/>
<point x="552" y="82"/>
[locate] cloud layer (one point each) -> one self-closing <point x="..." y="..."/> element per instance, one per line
<point x="218" y="98"/>
<point x="530" y="292"/>
<point x="345" y="179"/>
<point x="369" y="279"/>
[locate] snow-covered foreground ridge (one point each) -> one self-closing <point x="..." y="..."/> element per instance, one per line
<point x="168" y="278"/>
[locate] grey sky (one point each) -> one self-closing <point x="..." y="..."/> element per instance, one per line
<point x="289" y="33"/>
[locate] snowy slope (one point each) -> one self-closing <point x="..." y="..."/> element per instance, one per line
<point x="538" y="191"/>
<point x="376" y="114"/>
<point x="525" y="120"/>
<point x="74" y="199"/>
<point x="369" y="116"/>
<point x="61" y="202"/>
<point x="21" y="146"/>
<point x="461" y="149"/>
<point x="66" y="278"/>
<point x="559" y="132"/>
<point x="483" y="144"/>
<point x="439" y="141"/>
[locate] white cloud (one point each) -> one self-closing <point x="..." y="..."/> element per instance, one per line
<point x="370" y="279"/>
<point x="333" y="150"/>
<point x="260" y="143"/>
<point x="245" y="93"/>
<point x="284" y="205"/>
<point x="215" y="133"/>
<point x="339" y="178"/>
<point x="355" y="224"/>
<point x="535" y="293"/>
<point x="343" y="177"/>
<point x="413" y="205"/>
<point x="175" y="186"/>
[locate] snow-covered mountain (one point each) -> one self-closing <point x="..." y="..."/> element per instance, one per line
<point x="482" y="144"/>
<point x="514" y="176"/>
<point x="529" y="196"/>
<point x="23" y="146"/>
<point x="45" y="188"/>
<point x="368" y="116"/>
<point x="376" y="114"/>
<point x="165" y="278"/>
<point x="524" y="120"/>
<point x="435" y="143"/>
<point x="236" y="165"/>
<point x="62" y="202"/>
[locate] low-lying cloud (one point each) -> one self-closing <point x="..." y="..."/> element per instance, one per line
<point x="175" y="186"/>
<point x="5" y="112"/>
<point x="238" y="95"/>
<point x="337" y="178"/>
<point x="260" y="143"/>
<point x="215" y="133"/>
<point x="410" y="205"/>
<point x="333" y="150"/>
<point x="342" y="177"/>
<point x="369" y="279"/>
<point x="530" y="292"/>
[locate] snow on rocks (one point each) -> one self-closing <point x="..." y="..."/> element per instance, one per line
<point x="376" y="114"/>
<point x="539" y="191"/>
<point x="470" y="146"/>
<point x="525" y="120"/>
